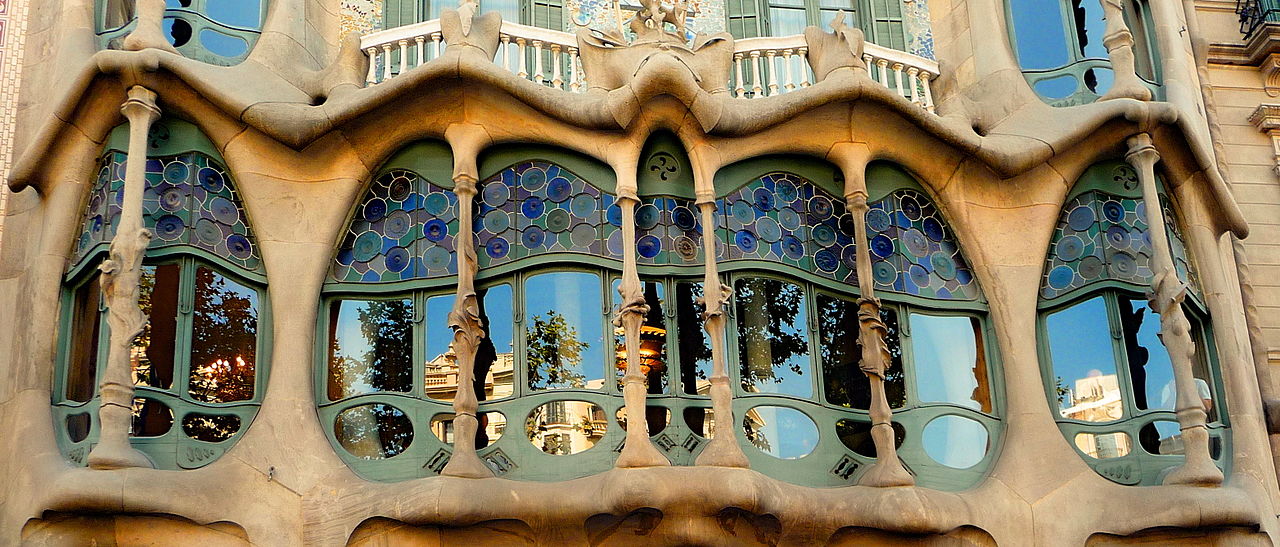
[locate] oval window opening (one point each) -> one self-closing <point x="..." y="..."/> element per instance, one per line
<point x="1059" y="87"/>
<point x="210" y="428"/>
<point x="955" y="441"/>
<point x="78" y="427"/>
<point x="566" y="427"/>
<point x="856" y="435"/>
<point x="151" y="418"/>
<point x="1161" y="438"/>
<point x="489" y="430"/>
<point x="373" y="431"/>
<point x="1102" y="446"/>
<point x="781" y="432"/>
<point x="223" y="44"/>
<point x="656" y="417"/>
<point x="702" y="421"/>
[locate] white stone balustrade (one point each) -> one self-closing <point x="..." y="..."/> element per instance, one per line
<point x="762" y="67"/>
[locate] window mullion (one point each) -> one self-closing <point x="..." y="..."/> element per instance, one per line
<point x="420" y="332"/>
<point x="183" y="343"/>
<point x="908" y="355"/>
<point x="813" y="340"/>
<point x="1120" y="355"/>
<point x="520" y="361"/>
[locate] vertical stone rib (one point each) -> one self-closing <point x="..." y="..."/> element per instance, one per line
<point x="723" y="450"/>
<point x="638" y="450"/>
<point x="467" y="332"/>
<point x="121" y="282"/>
<point x="888" y="469"/>
<point x="1119" y="44"/>
<point x="1167" y="292"/>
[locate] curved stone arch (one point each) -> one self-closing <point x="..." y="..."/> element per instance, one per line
<point x="203" y="252"/>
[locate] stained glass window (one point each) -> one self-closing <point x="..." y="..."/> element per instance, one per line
<point x="190" y="200"/>
<point x="539" y="207"/>
<point x="913" y="251"/>
<point x="668" y="231"/>
<point x="404" y="228"/>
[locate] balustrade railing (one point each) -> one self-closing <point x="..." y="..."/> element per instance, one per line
<point x="762" y="67"/>
<point x="1255" y="13"/>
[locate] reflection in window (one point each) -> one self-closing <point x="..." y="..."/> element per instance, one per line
<point x="950" y="360"/>
<point x="564" y="331"/>
<point x="566" y="427"/>
<point x="441" y="369"/>
<point x="653" y="339"/>
<point x="781" y="432"/>
<point x="224" y="339"/>
<point x="773" y="344"/>
<point x="117" y="13"/>
<point x="151" y="359"/>
<point x="694" y="343"/>
<point x="1084" y="364"/>
<point x="656" y="418"/>
<point x="78" y="426"/>
<point x="1104" y="445"/>
<point x="82" y="363"/>
<point x="955" y="441"/>
<point x="211" y="428"/>
<point x="844" y="382"/>
<point x="491" y="427"/>
<point x="495" y="358"/>
<point x="151" y="418"/>
<point x="856" y="435"/>
<point x="370" y="347"/>
<point x="373" y="431"/>
<point x="702" y="421"/>
<point x="1161" y="437"/>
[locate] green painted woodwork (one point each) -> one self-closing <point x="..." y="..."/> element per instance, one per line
<point x="664" y="168"/>
<point x="113" y="28"/>
<point x="547" y="14"/>
<point x="880" y="20"/>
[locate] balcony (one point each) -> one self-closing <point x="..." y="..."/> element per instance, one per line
<point x="1255" y="13"/>
<point x="762" y="67"/>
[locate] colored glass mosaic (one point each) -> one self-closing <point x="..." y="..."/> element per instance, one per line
<point x="785" y="218"/>
<point x="668" y="231"/>
<point x="538" y="207"/>
<point x="1105" y="237"/>
<point x="913" y="251"/>
<point x="1182" y="263"/>
<point x="404" y="228"/>
<point x="189" y="200"/>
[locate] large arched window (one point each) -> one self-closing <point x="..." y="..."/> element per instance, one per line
<point x="220" y="32"/>
<point x="881" y="20"/>
<point x="199" y="367"/>
<point x="1109" y="378"/>
<point x="1059" y="45"/>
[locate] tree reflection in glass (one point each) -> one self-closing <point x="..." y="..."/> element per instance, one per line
<point x="844" y="383"/>
<point x="441" y="369"/>
<point x="694" y="344"/>
<point x="370" y="347"/>
<point x="1084" y="364"/>
<point x="950" y="361"/>
<point x="374" y="431"/>
<point x="653" y="338"/>
<point x="773" y="347"/>
<point x="151" y="359"/>
<point x="224" y="339"/>
<point x="564" y="331"/>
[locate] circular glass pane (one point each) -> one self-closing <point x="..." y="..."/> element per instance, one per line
<point x="955" y="441"/>
<point x="489" y="430"/>
<point x="856" y="435"/>
<point x="373" y="431"/>
<point x="1104" y="445"/>
<point x="566" y="427"/>
<point x="211" y="428"/>
<point x="780" y="432"/>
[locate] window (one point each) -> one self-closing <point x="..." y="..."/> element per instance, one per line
<point x="881" y="20"/>
<point x="213" y="31"/>
<point x="198" y="366"/>
<point x="1109" y="377"/>
<point x="1059" y="44"/>
<point x="547" y="14"/>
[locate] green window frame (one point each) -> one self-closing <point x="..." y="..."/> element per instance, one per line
<point x="548" y="14"/>
<point x="205" y="30"/>
<point x="1110" y="418"/>
<point x="881" y="20"/>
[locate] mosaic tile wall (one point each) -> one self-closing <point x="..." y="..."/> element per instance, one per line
<point x="13" y="24"/>
<point x="360" y="16"/>
<point x="918" y="30"/>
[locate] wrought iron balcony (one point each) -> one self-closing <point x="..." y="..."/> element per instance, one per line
<point x="1255" y="13"/>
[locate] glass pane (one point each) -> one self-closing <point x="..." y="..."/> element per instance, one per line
<point x="236" y="13"/>
<point x="223" y="44"/>
<point x="955" y="441"/>
<point x="152" y="356"/>
<point x="780" y="432"/>
<point x="1090" y="28"/>
<point x="786" y="21"/>
<point x="211" y="428"/>
<point x="655" y="417"/>
<point x="224" y="339"/>
<point x="950" y="361"/>
<point x="653" y="338"/>
<point x="1084" y="363"/>
<point x="495" y="359"/>
<point x="370" y="347"/>
<point x="843" y="382"/>
<point x="78" y="426"/>
<point x="566" y="427"/>
<point x="492" y="425"/>
<point x="510" y="9"/>
<point x="702" y="421"/>
<point x="1059" y="87"/>
<point x="1099" y="80"/>
<point x="564" y="331"/>
<point x="1105" y="445"/>
<point x="82" y="359"/>
<point x="773" y="344"/>
<point x="856" y="435"/>
<point x="1038" y="34"/>
<point x="117" y="13"/>
<point x="1161" y="438"/>
<point x="441" y="369"/>
<point x="151" y="418"/>
<point x="374" y="431"/>
<point x="694" y="343"/>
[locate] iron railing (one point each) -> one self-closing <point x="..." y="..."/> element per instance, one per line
<point x="1255" y="13"/>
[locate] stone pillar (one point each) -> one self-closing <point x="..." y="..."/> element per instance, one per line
<point x="467" y="332"/>
<point x="150" y="31"/>
<point x="638" y="450"/>
<point x="1167" y="292"/>
<point x="723" y="450"/>
<point x="1119" y="43"/>
<point x="121" y="283"/>
<point x="888" y="469"/>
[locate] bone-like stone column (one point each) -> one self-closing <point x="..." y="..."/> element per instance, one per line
<point x="723" y="450"/>
<point x="638" y="450"/>
<point x="1119" y="43"/>
<point x="888" y="469"/>
<point x="121" y="282"/>
<point x="149" y="33"/>
<point x="467" y="332"/>
<point x="1167" y="292"/>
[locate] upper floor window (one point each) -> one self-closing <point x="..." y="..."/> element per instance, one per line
<point x="1109" y="377"/>
<point x="1059" y="44"/>
<point x="547" y="14"/>
<point x="881" y="20"/>
<point x="198" y="364"/>
<point x="214" y="31"/>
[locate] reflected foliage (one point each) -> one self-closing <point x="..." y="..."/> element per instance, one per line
<point x="374" y="431"/>
<point x="771" y="335"/>
<point x="554" y="353"/>
<point x="694" y="345"/>
<point x="844" y="382"/>
<point x="386" y="332"/>
<point x="224" y="339"/>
